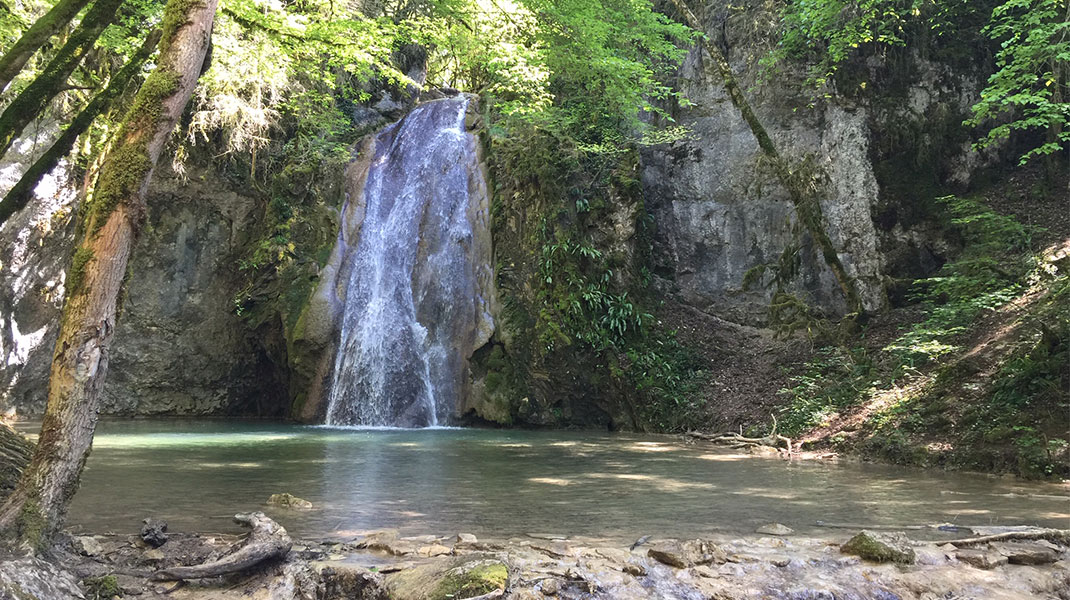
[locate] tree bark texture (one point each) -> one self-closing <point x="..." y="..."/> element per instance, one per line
<point x="31" y="41"/>
<point x="113" y="216"/>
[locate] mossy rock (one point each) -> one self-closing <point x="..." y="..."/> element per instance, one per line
<point x="879" y="547"/>
<point x="102" y="588"/>
<point x="449" y="579"/>
<point x="473" y="579"/>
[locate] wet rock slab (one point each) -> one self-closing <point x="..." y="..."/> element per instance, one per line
<point x="383" y="564"/>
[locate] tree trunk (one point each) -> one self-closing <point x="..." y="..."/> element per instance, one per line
<point x="113" y="217"/>
<point x="806" y="205"/>
<point x="29" y="104"/>
<point x="20" y="194"/>
<point x="15" y="452"/>
<point x="35" y="37"/>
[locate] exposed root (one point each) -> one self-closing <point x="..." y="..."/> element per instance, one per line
<point x="267" y="541"/>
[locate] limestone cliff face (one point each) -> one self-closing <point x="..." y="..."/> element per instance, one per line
<point x="180" y="348"/>
<point x="874" y="155"/>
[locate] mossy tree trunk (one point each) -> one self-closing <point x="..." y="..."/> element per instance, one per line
<point x="36" y="509"/>
<point x="32" y="101"/>
<point x="20" y="194"/>
<point x="15" y="452"/>
<point x="42" y="29"/>
<point x="806" y="204"/>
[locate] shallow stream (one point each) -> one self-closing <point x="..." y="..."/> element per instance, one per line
<point x="496" y="483"/>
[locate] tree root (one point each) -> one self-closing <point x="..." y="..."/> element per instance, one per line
<point x="1061" y="536"/>
<point x="267" y="541"/>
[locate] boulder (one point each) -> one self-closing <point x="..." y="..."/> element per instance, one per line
<point x="880" y="547"/>
<point x="154" y="532"/>
<point x="446" y="579"/>
<point x="35" y="579"/>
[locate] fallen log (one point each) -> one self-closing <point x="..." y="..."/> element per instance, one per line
<point x="1061" y="536"/>
<point x="267" y="541"/>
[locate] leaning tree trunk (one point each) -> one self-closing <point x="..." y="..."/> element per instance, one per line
<point x="35" y="37"/>
<point x="36" y="509"/>
<point x="15" y="453"/>
<point x="32" y="100"/>
<point x="806" y="205"/>
<point x="20" y="194"/>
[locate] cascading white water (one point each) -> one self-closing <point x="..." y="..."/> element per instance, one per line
<point x="412" y="308"/>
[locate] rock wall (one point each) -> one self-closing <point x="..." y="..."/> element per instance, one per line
<point x="180" y="349"/>
<point x="874" y="155"/>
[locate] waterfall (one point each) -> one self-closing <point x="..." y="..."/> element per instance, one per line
<point x="416" y="269"/>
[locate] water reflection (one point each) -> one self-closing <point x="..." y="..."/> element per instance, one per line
<point x="500" y="483"/>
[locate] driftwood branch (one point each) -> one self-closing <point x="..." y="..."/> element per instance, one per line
<point x="267" y="541"/>
<point x="1061" y="536"/>
<point x="738" y="440"/>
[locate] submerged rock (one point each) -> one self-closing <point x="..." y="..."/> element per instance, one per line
<point x="289" y="501"/>
<point x="880" y="547"/>
<point x="775" y="529"/>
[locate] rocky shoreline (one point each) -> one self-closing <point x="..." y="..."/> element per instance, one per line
<point x="380" y="565"/>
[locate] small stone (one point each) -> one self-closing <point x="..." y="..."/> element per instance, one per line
<point x="775" y="529"/>
<point x="634" y="569"/>
<point x="433" y="550"/>
<point x="87" y="545"/>
<point x="981" y="558"/>
<point x="880" y="547"/>
<point x="780" y="561"/>
<point x="549" y="587"/>
<point x="154" y="532"/>
<point x="289" y="501"/>
<point x="153" y="555"/>
<point x="465" y="538"/>
<point x="1026" y="553"/>
<point x="686" y="554"/>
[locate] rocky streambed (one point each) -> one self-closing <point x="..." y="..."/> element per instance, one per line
<point x="382" y="564"/>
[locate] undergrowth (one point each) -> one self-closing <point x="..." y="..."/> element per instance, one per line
<point x="1012" y="419"/>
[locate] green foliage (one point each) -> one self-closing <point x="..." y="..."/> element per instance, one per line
<point x="1030" y="89"/>
<point x="835" y="379"/>
<point x="585" y="301"/>
<point x="829" y="33"/>
<point x="989" y="273"/>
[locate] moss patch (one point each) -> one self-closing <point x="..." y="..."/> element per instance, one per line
<point x="471" y="580"/>
<point x="76" y="274"/>
<point x="102" y="588"/>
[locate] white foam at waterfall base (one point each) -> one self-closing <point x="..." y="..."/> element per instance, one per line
<point x="411" y="299"/>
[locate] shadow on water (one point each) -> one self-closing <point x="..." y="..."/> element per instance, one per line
<point x="196" y="474"/>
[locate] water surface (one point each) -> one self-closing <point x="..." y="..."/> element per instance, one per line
<point x="196" y="474"/>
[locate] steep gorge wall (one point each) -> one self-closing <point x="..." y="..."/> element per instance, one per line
<point x="878" y="154"/>
<point x="180" y="349"/>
